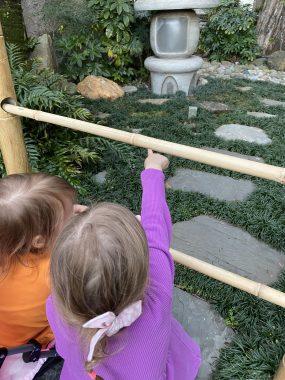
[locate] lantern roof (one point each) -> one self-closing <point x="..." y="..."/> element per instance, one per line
<point x="159" y="5"/>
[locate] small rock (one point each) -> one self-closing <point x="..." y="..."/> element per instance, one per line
<point x="260" y="62"/>
<point x="277" y="60"/>
<point x="137" y="130"/>
<point x="244" y="133"/>
<point x="93" y="87"/>
<point x="192" y="113"/>
<point x="244" y="89"/>
<point x="261" y="115"/>
<point x="157" y="102"/>
<point x="130" y="89"/>
<point x="102" y="115"/>
<point x="202" y="81"/>
<point x="226" y="63"/>
<point x="215" y="107"/>
<point x="100" y="177"/>
<point x="44" y="53"/>
<point x="272" y="103"/>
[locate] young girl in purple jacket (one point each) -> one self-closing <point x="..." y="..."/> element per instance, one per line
<point x="112" y="282"/>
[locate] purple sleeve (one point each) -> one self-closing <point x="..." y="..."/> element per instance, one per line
<point x="156" y="222"/>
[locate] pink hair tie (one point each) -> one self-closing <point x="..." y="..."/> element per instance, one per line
<point x="109" y="324"/>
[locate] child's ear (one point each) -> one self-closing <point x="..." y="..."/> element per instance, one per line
<point x="38" y="242"/>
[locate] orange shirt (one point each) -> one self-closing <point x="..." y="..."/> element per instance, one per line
<point x="23" y="293"/>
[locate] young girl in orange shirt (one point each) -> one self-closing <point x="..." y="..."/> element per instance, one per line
<point x="33" y="210"/>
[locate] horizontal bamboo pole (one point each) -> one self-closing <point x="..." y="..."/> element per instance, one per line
<point x="224" y="161"/>
<point x="11" y="135"/>
<point x="259" y="290"/>
<point x="280" y="374"/>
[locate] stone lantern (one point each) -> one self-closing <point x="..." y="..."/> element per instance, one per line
<point x="174" y="37"/>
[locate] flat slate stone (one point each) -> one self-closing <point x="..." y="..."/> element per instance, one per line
<point x="204" y="325"/>
<point x="137" y="130"/>
<point x="228" y="247"/>
<point x="244" y="89"/>
<point x="100" y="177"/>
<point x="272" y="103"/>
<point x="213" y="185"/>
<point x="157" y="102"/>
<point x="130" y="89"/>
<point x="261" y="115"/>
<point x="234" y="154"/>
<point x="103" y="115"/>
<point x="244" y="133"/>
<point x="215" y="107"/>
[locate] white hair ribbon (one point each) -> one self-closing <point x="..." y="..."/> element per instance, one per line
<point x="109" y="324"/>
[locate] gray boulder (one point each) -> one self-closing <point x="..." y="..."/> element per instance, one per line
<point x="276" y="60"/>
<point x="34" y="20"/>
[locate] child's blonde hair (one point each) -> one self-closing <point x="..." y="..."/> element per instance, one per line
<point x="31" y="205"/>
<point x="99" y="264"/>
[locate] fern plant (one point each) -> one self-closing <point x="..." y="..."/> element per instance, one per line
<point x="51" y="149"/>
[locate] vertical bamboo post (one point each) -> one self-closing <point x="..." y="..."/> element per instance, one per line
<point x="280" y="374"/>
<point x="11" y="134"/>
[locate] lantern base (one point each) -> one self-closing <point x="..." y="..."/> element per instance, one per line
<point x="169" y="76"/>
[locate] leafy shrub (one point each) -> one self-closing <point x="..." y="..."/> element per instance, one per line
<point x="55" y="149"/>
<point x="230" y="33"/>
<point x="106" y="42"/>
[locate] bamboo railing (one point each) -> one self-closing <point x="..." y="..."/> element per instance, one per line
<point x="219" y="160"/>
<point x="11" y="135"/>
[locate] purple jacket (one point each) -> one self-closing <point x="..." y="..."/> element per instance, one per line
<point x="155" y="346"/>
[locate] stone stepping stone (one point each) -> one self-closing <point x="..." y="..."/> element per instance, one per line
<point x="130" y="89"/>
<point x="228" y="247"/>
<point x="103" y="115"/>
<point x="215" y="107"/>
<point x="244" y="89"/>
<point x="100" y="177"/>
<point x="157" y="102"/>
<point x="261" y="115"/>
<point x="204" y="325"/>
<point x="137" y="130"/>
<point x="192" y="112"/>
<point x="234" y="154"/>
<point x="272" y="103"/>
<point x="214" y="185"/>
<point x="244" y="133"/>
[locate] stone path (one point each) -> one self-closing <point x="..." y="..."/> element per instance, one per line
<point x="204" y="325"/>
<point x="215" y="107"/>
<point x="228" y="247"/>
<point x="157" y="102"/>
<point x="213" y="185"/>
<point x="244" y="133"/>
<point x="261" y="115"/>
<point x="272" y="103"/>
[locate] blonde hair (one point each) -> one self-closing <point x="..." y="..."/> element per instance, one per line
<point x="31" y="205"/>
<point x="99" y="264"/>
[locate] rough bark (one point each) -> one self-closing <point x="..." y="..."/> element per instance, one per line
<point x="34" y="20"/>
<point x="271" y="26"/>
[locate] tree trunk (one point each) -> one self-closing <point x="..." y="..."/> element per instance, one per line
<point x="271" y="26"/>
<point x="34" y="20"/>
